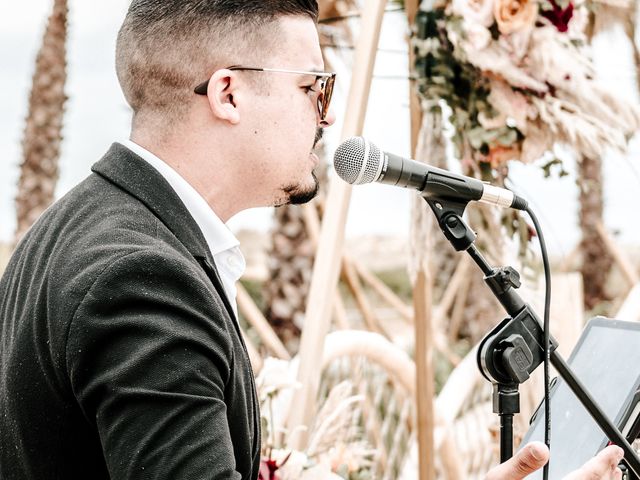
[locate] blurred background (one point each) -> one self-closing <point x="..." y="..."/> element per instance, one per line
<point x="582" y="187"/>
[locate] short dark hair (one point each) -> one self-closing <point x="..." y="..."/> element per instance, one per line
<point x="166" y="47"/>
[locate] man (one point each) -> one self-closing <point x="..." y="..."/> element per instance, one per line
<point x="121" y="353"/>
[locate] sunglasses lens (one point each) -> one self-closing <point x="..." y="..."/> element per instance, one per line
<point x="325" y="96"/>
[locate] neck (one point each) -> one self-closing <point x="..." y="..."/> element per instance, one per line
<point x="207" y="167"/>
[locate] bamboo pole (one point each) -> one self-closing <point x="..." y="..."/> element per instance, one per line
<point x="422" y="305"/>
<point x="415" y="109"/>
<point x="328" y="256"/>
<point x="313" y="229"/>
<point x="353" y="282"/>
<point x="441" y="344"/>
<point x="457" y="312"/>
<point x="385" y="292"/>
<point x="254" y="356"/>
<point x="256" y="319"/>
<point x="312" y="223"/>
<point x="425" y="375"/>
<point x="340" y="312"/>
<point x="449" y="295"/>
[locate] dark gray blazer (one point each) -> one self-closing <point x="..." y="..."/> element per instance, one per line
<point x="120" y="354"/>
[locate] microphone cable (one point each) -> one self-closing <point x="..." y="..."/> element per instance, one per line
<point x="545" y="328"/>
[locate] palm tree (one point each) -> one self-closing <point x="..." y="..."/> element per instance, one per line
<point x="596" y="260"/>
<point x="43" y="130"/>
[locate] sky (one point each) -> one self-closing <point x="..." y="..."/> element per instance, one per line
<point x="97" y="115"/>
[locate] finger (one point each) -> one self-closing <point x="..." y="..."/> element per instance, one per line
<point x="527" y="460"/>
<point x="602" y="466"/>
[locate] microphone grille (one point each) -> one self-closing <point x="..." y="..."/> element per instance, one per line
<point x="357" y="161"/>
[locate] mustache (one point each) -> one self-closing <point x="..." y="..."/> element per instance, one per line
<point x="319" y="133"/>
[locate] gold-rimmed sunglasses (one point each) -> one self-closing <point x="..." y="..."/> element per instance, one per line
<point x="326" y="80"/>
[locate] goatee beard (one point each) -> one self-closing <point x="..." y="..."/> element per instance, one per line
<point x="297" y="195"/>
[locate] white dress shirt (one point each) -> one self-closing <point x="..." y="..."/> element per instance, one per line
<point x="224" y="246"/>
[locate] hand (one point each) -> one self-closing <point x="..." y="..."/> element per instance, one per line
<point x="527" y="460"/>
<point x="603" y="466"/>
<point x="532" y="457"/>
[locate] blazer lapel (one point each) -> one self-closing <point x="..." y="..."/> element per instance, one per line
<point x="138" y="178"/>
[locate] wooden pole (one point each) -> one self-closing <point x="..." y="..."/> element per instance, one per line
<point x="385" y="292"/>
<point x="415" y="109"/>
<point x="422" y="304"/>
<point x="425" y="391"/>
<point x="312" y="222"/>
<point x="254" y="356"/>
<point x="357" y="291"/>
<point x="457" y="312"/>
<point x="256" y="319"/>
<point x="459" y="276"/>
<point x="340" y="312"/>
<point x="329" y="254"/>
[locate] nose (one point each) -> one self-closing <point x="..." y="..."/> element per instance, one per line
<point x="329" y="120"/>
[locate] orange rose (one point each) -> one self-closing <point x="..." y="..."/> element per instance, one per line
<point x="500" y="155"/>
<point x="515" y="15"/>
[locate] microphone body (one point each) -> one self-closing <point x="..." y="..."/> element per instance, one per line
<point x="357" y="161"/>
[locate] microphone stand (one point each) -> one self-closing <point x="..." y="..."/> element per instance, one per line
<point x="513" y="349"/>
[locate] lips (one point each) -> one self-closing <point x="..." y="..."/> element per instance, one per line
<point x="314" y="159"/>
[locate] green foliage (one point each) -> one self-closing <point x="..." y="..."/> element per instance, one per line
<point x="554" y="167"/>
<point x="443" y="74"/>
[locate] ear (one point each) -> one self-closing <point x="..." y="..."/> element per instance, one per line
<point x="222" y="87"/>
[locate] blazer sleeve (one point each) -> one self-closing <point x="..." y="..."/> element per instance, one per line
<point x="149" y="358"/>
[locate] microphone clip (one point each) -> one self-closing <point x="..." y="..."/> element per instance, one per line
<point x="449" y="215"/>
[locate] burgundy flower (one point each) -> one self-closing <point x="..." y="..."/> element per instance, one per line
<point x="268" y="469"/>
<point x="559" y="16"/>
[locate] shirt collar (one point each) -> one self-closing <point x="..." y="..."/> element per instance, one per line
<point x="218" y="236"/>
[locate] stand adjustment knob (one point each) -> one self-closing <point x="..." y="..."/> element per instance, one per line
<point x="517" y="357"/>
<point x="510" y="276"/>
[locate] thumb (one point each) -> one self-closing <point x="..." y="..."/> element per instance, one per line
<point x="529" y="459"/>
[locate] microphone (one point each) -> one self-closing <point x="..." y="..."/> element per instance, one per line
<point x="359" y="161"/>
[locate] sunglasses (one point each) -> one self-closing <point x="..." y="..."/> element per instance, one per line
<point x="326" y="80"/>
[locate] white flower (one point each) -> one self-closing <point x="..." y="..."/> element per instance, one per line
<point x="579" y="22"/>
<point x="478" y="37"/>
<point x="511" y="104"/>
<point x="475" y="11"/>
<point x="295" y="463"/>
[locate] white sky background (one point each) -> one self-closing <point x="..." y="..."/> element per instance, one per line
<point x="97" y="115"/>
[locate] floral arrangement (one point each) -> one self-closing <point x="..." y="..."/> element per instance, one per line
<point x="517" y="77"/>
<point x="331" y="453"/>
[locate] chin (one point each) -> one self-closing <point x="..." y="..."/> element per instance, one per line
<point x="300" y="194"/>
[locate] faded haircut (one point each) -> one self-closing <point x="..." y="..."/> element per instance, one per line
<point x="166" y="47"/>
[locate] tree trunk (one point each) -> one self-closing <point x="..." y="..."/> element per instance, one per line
<point x="43" y="130"/>
<point x="290" y="266"/>
<point x="596" y="261"/>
